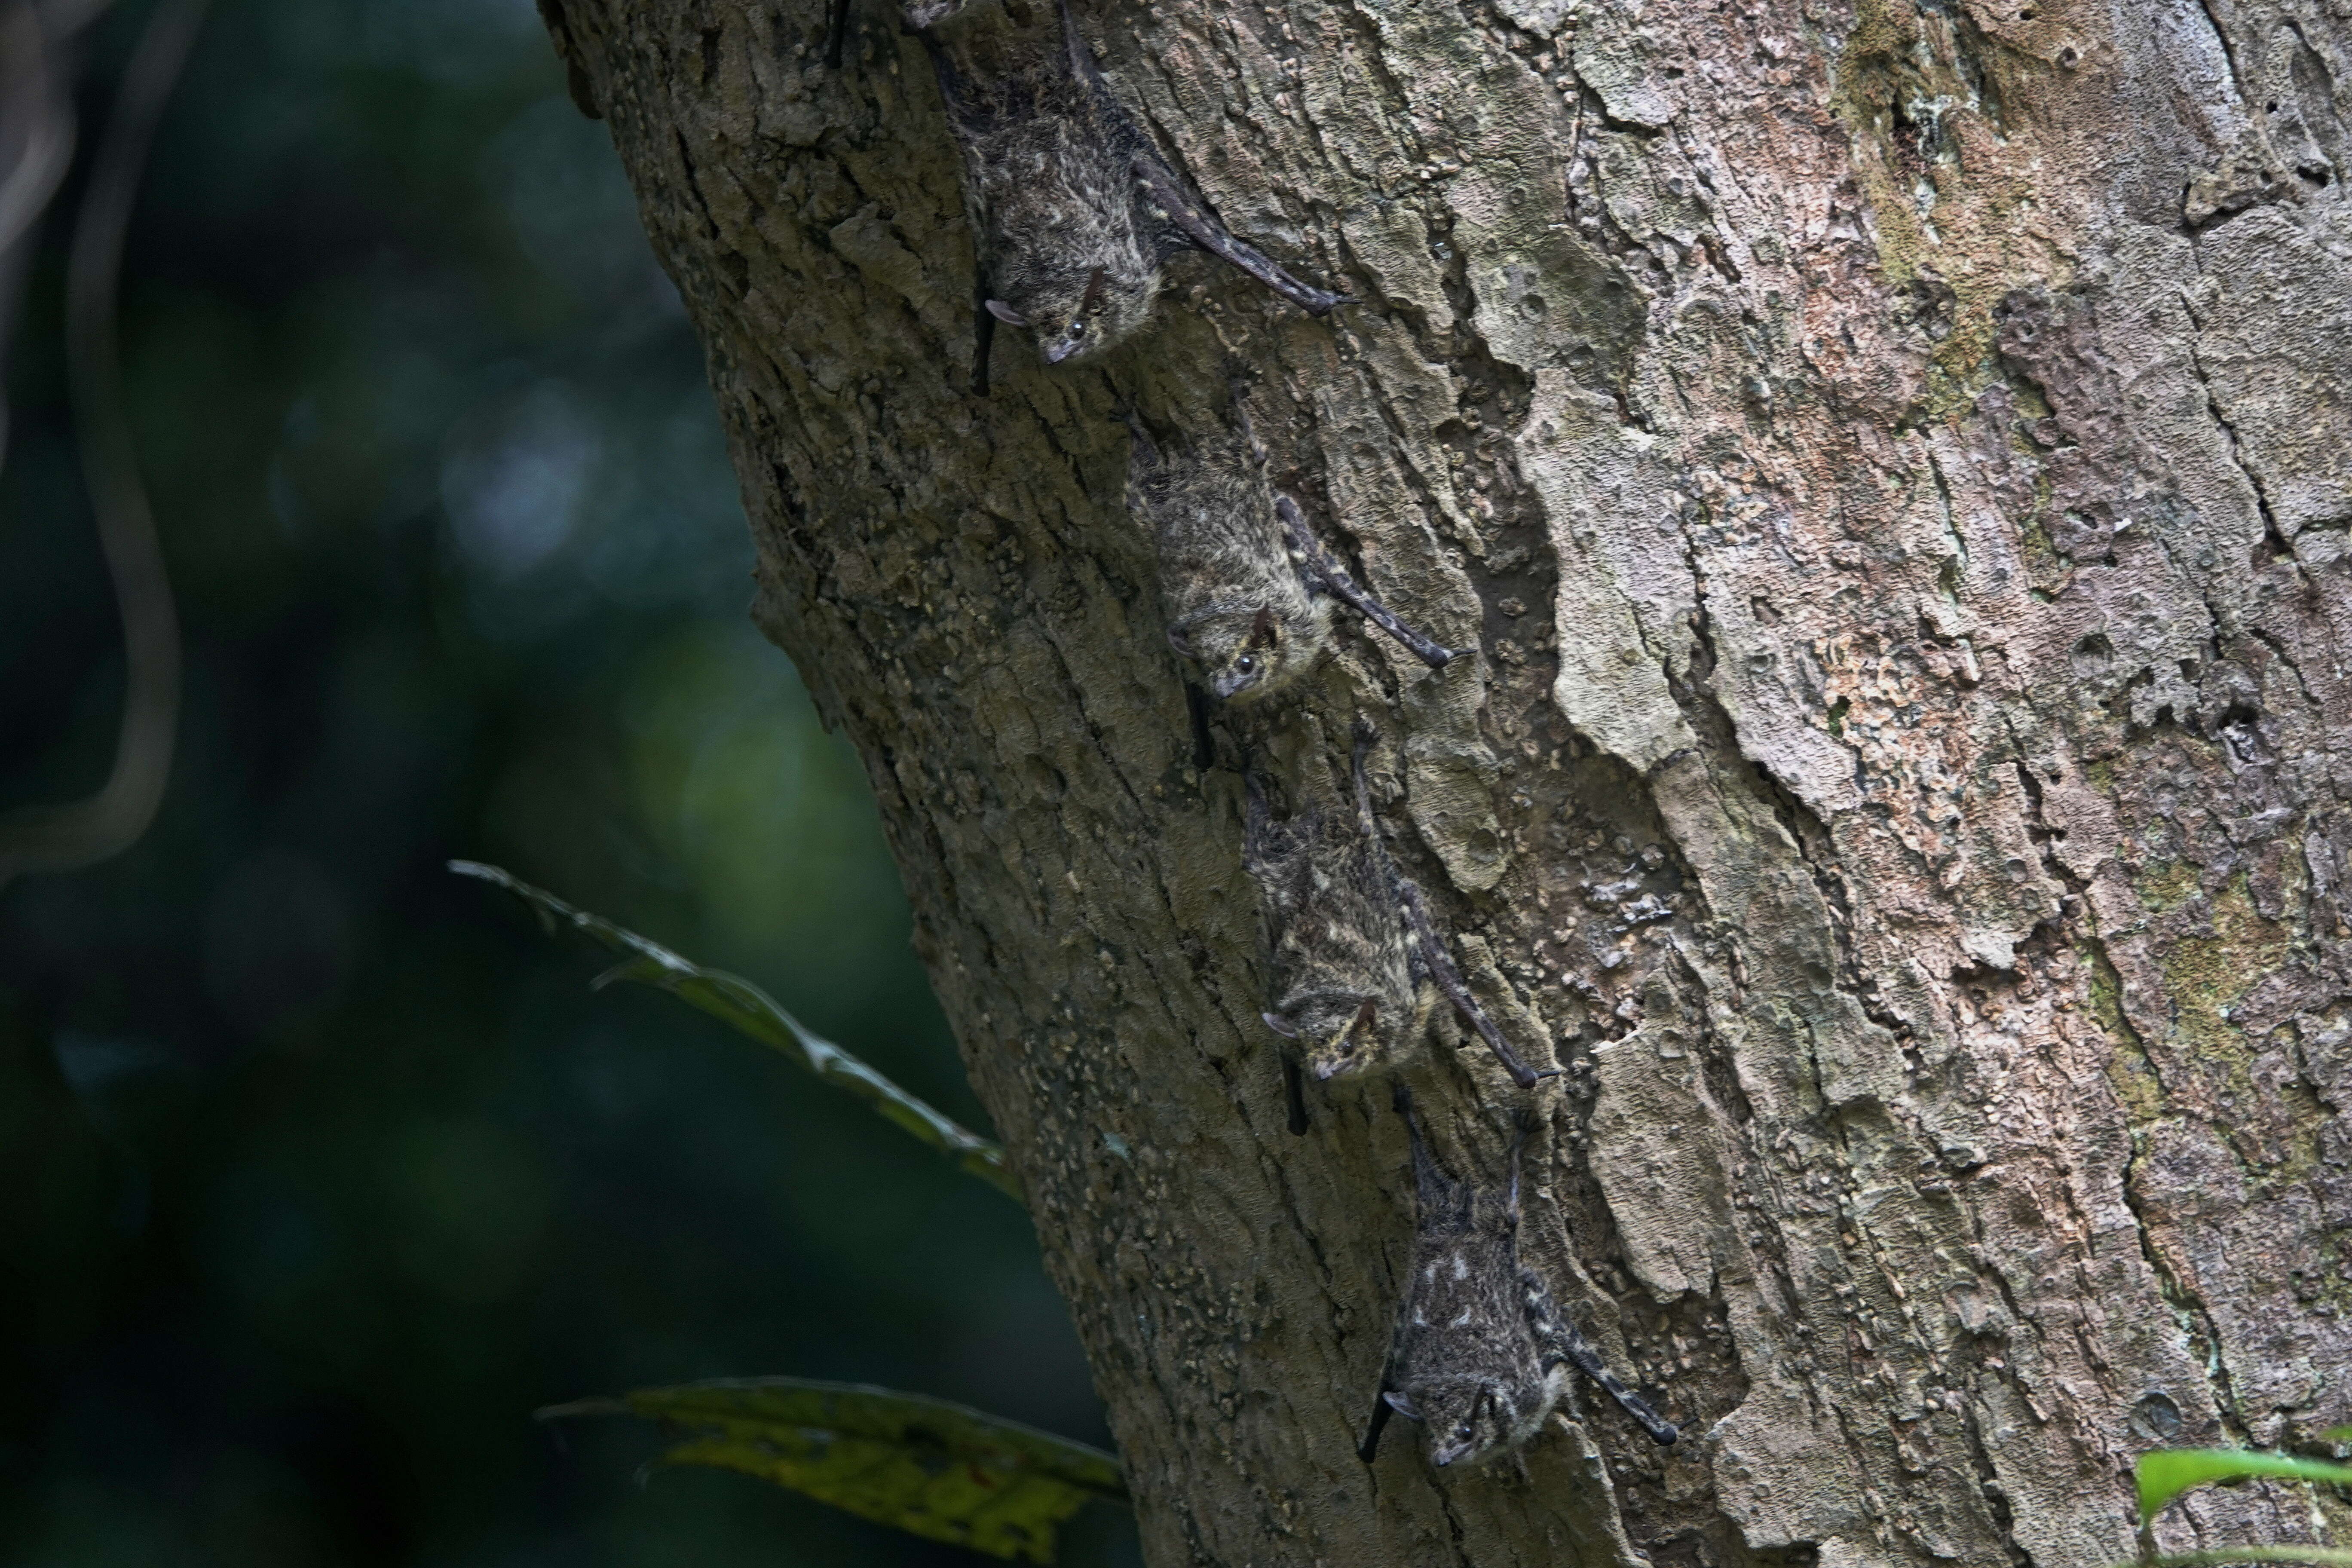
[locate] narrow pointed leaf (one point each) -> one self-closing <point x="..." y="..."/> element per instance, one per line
<point x="2321" y="1555"/>
<point x="2165" y="1474"/>
<point x="743" y="1006"/>
<point x="932" y="1469"/>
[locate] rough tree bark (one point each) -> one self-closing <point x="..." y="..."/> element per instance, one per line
<point x="1894" y="458"/>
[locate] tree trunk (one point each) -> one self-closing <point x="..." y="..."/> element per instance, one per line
<point x="1894" y="462"/>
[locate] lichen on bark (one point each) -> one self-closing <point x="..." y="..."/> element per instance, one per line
<point x="1893" y="461"/>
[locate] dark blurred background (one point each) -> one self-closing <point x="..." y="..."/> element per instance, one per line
<point x="321" y="1168"/>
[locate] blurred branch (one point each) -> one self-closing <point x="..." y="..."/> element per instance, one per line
<point x="58" y="839"/>
<point x="36" y="141"/>
<point x="743" y="1006"/>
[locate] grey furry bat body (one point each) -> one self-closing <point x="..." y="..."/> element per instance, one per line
<point x="1347" y="991"/>
<point x="1248" y="587"/>
<point x="1481" y="1356"/>
<point x="1358" y="965"/>
<point x="1073" y="210"/>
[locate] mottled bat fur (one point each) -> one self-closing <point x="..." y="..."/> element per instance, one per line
<point x="1357" y="965"/>
<point x="1238" y="603"/>
<point x="1073" y="209"/>
<point x="1481" y="1355"/>
<point x="921" y="14"/>
<point x="1347" y="984"/>
<point x="1248" y="589"/>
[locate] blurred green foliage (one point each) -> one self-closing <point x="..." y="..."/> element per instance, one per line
<point x="325" y="1169"/>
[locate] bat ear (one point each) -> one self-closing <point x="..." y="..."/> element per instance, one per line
<point x="1275" y="1021"/>
<point x="1095" y="287"/>
<point x="1261" y="629"/>
<point x="1006" y="313"/>
<point x="1365" y="1013"/>
<point x="1180" y="640"/>
<point x="1402" y="1405"/>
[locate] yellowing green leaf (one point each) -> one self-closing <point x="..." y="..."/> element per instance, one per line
<point x="2323" y="1555"/>
<point x="743" y="1006"/>
<point x="2165" y="1473"/>
<point x="927" y="1467"/>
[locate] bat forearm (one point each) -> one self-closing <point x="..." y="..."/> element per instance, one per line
<point x="1334" y="578"/>
<point x="1171" y="202"/>
<point x="1449" y="984"/>
<point x="1571" y="1347"/>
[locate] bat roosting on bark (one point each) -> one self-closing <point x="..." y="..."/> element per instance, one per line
<point x="1073" y="210"/>
<point x="914" y="15"/>
<point x="1358" y="965"/>
<point x="1248" y="587"/>
<point x="1481" y="1355"/>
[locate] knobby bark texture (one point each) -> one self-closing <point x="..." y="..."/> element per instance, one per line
<point x="1893" y="459"/>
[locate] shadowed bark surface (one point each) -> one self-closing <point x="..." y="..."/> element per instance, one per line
<point x="1893" y="462"/>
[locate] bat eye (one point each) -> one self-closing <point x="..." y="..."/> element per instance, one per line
<point x="1246" y="664"/>
<point x="1463" y="1431"/>
<point x="1078" y="328"/>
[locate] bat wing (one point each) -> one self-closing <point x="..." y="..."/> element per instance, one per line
<point x="1080" y="57"/>
<point x="1193" y="223"/>
<point x="1563" y="1341"/>
<point x="1435" y="961"/>
<point x="1199" y="227"/>
<point x="1441" y="969"/>
<point x="1334" y="578"/>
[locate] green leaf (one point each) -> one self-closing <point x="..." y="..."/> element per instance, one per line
<point x="2319" y="1555"/>
<point x="2168" y="1472"/>
<point x="2337" y="1434"/>
<point x="930" y="1467"/>
<point x="743" y="1006"/>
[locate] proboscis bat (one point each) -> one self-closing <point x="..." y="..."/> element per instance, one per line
<point x="1247" y="586"/>
<point x="1073" y="210"/>
<point x="1357" y="965"/>
<point x="1481" y="1355"/>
